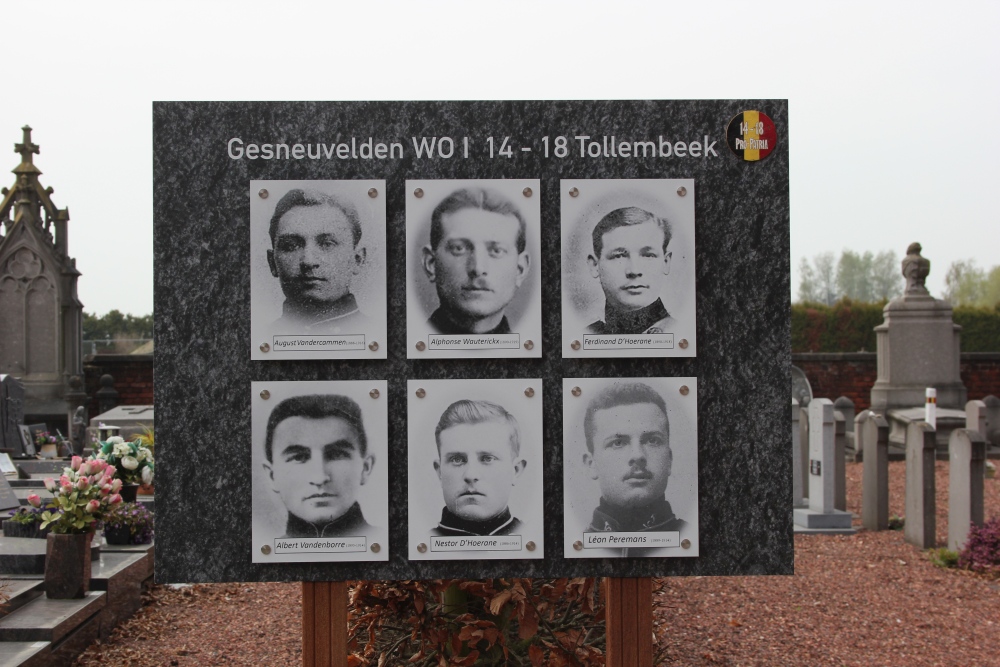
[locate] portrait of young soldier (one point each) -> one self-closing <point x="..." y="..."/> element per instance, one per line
<point x="476" y="259"/>
<point x="478" y="463"/>
<point x="315" y="253"/>
<point x="632" y="261"/>
<point x="316" y="460"/>
<point x="627" y="434"/>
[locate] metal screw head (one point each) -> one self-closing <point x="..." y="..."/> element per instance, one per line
<point x="576" y="391"/>
<point x="372" y="192"/>
<point x="683" y="344"/>
<point x="526" y="192"/>
<point x="373" y="346"/>
<point x="530" y="546"/>
<point x="265" y="394"/>
<point x="529" y="392"/>
<point x="578" y="545"/>
<point x="421" y="346"/>
<point x="684" y="390"/>
<point x="681" y="191"/>
<point x="529" y="345"/>
<point x="266" y="550"/>
<point x="376" y="547"/>
<point x="262" y="193"/>
<point x="574" y="192"/>
<point x="264" y="347"/>
<point x="418" y="193"/>
<point x="575" y="345"/>
<point x="685" y="543"/>
<point x="374" y="393"/>
<point x="421" y="393"/>
<point x="422" y="548"/>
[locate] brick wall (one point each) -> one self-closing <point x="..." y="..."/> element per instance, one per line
<point x="832" y="375"/>
<point x="133" y="374"/>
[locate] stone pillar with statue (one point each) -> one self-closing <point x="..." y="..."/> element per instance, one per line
<point x="918" y="347"/>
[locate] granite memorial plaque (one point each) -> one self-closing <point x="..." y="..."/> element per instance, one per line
<point x="209" y="157"/>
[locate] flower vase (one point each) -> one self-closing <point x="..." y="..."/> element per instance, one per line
<point x="118" y="535"/>
<point x="129" y="492"/>
<point x="67" y="565"/>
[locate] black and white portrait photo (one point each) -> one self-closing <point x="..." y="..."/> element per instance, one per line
<point x="630" y="467"/>
<point x="317" y="270"/>
<point x="475" y="469"/>
<point x="628" y="268"/>
<point x="320" y="471"/>
<point x="473" y="269"/>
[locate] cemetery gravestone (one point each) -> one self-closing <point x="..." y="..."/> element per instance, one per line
<point x="822" y="513"/>
<point x="975" y="417"/>
<point x="11" y="413"/>
<point x="798" y="477"/>
<point x="8" y="499"/>
<point x="920" y="525"/>
<point x="966" y="474"/>
<point x="839" y="460"/>
<point x="872" y="432"/>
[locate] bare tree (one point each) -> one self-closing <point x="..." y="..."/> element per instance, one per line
<point x="818" y="283"/>
<point x="858" y="276"/>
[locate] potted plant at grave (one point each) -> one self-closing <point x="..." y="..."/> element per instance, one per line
<point x="133" y="462"/>
<point x="82" y="496"/>
<point x="128" y="523"/>
<point x="147" y="438"/>
<point x="25" y="521"/>
<point x="46" y="444"/>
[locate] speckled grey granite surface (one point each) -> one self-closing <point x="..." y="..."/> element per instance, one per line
<point x="202" y="295"/>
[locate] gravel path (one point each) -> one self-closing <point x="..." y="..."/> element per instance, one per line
<point x="866" y="599"/>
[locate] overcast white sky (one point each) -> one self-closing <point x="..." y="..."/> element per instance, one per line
<point x="892" y="129"/>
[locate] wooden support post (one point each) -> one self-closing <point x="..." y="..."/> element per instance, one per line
<point x="324" y="624"/>
<point x="629" y="618"/>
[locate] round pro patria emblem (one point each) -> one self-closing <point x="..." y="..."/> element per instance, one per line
<point x="751" y="136"/>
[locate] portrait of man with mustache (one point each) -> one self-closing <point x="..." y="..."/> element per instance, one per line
<point x="628" y="452"/>
<point x="477" y="260"/>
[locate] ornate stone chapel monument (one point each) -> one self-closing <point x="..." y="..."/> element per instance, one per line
<point x="41" y="318"/>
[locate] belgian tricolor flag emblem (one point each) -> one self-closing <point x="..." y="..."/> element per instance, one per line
<point x="751" y="136"/>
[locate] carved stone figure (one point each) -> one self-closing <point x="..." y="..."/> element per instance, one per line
<point x="915" y="270"/>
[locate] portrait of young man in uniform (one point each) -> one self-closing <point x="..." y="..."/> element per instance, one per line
<point x="315" y="254"/>
<point x="631" y="258"/>
<point x="478" y="463"/>
<point x="474" y="453"/>
<point x="316" y="460"/>
<point x="628" y="268"/>
<point x="477" y="261"/>
<point x="628" y="453"/>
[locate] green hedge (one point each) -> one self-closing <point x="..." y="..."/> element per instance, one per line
<point x="848" y="326"/>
